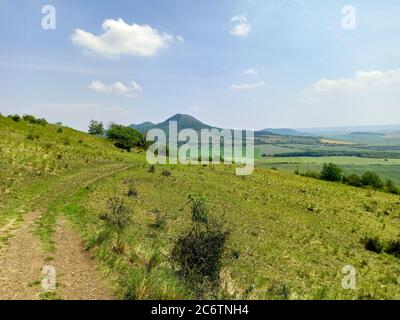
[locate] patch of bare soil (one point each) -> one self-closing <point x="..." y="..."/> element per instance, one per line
<point x="77" y="276"/>
<point x="21" y="262"/>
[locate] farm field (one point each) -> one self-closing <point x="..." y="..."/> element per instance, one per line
<point x="289" y="236"/>
<point x="381" y="154"/>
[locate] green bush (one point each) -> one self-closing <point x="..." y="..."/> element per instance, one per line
<point x="353" y="180"/>
<point x="371" y="179"/>
<point x="390" y="187"/>
<point x="372" y="244"/>
<point x="124" y="137"/>
<point x="31" y="119"/>
<point x="331" y="172"/>
<point x="15" y="117"/>
<point x="118" y="215"/>
<point x="198" y="252"/>
<point x="393" y="248"/>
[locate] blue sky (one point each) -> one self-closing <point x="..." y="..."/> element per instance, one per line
<point x="231" y="63"/>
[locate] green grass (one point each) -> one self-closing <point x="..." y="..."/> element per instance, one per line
<point x="289" y="236"/>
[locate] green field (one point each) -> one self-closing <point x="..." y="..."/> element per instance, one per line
<point x="289" y="236"/>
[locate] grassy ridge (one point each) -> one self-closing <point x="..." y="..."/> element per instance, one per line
<point x="289" y="236"/>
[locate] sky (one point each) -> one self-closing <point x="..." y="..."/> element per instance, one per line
<point x="245" y="64"/>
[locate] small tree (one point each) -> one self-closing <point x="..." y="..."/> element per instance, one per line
<point x="124" y="137"/>
<point x="96" y="128"/>
<point x="331" y="172"/>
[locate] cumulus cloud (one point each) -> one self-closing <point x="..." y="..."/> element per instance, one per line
<point x="240" y="26"/>
<point x="129" y="90"/>
<point x="362" y="80"/>
<point x="120" y="38"/>
<point x="250" y="72"/>
<point x="247" y="86"/>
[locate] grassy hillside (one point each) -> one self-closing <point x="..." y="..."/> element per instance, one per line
<point x="289" y="236"/>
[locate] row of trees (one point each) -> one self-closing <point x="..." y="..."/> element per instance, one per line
<point x="332" y="172"/>
<point x="123" y="137"/>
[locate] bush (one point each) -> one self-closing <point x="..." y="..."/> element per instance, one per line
<point x="331" y="172"/>
<point x="15" y="117"/>
<point x="96" y="128"/>
<point x="353" y="180"/>
<point x="124" y="137"/>
<point x="118" y="215"/>
<point x="372" y="244"/>
<point x="393" y="248"/>
<point x="390" y="187"/>
<point x="371" y="179"/>
<point x="132" y="190"/>
<point x="198" y="252"/>
<point x="32" y="119"/>
<point x="198" y="208"/>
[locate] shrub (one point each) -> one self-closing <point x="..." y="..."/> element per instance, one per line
<point x="124" y="137"/>
<point x="353" y="180"/>
<point x="393" y="248"/>
<point x="390" y="187"/>
<point x="15" y="117"/>
<point x="371" y="179"/>
<point x="372" y="244"/>
<point x="96" y="128"/>
<point x="118" y="214"/>
<point x="198" y="252"/>
<point x="132" y="190"/>
<point x="198" y="208"/>
<point x="32" y="119"/>
<point x="331" y="172"/>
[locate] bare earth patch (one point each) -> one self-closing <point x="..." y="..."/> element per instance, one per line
<point x="21" y="262"/>
<point x="77" y="277"/>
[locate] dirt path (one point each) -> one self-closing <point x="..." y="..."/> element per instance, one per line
<point x="22" y="257"/>
<point x="21" y="262"/>
<point x="77" y="277"/>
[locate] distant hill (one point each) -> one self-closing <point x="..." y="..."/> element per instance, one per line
<point x="184" y="121"/>
<point x="362" y="133"/>
<point x="282" y="131"/>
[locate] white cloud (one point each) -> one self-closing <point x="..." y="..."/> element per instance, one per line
<point x="362" y="80"/>
<point x="78" y="115"/>
<point x="250" y="72"/>
<point x="241" y="26"/>
<point x="120" y="38"/>
<point x="129" y="90"/>
<point x="247" y="86"/>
